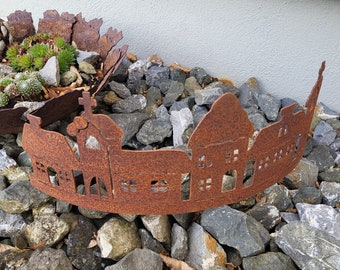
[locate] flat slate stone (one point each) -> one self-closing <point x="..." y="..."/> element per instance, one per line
<point x="239" y="230"/>
<point x="309" y="247"/>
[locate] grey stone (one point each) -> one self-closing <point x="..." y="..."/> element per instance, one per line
<point x="278" y="195"/>
<point x="335" y="145"/>
<point x="324" y="133"/>
<point x="179" y="242"/>
<point x="309" y="146"/>
<point x="330" y="193"/>
<point x="15" y="174"/>
<point x="305" y="174"/>
<point x="322" y="156"/>
<point x="78" y="240"/>
<point x="267" y="214"/>
<point x="87" y="68"/>
<point x="204" y="251"/>
<point x="207" y="96"/>
<point x="320" y="216"/>
<point x="153" y="131"/>
<point x="180" y="121"/>
<point x="30" y="105"/>
<point x="50" y="72"/>
<point x="89" y="57"/>
<point x="12" y="149"/>
<point x="21" y="196"/>
<point x="184" y="219"/>
<point x="327" y="113"/>
<point x="226" y="87"/>
<point x="335" y="123"/>
<point x="159" y="227"/>
<point x="285" y="102"/>
<point x="155" y="75"/>
<point x="24" y="159"/>
<point x="48" y="258"/>
<point x="239" y="230"/>
<point x="129" y="123"/>
<point x="3" y="182"/>
<point x="310" y="248"/>
<point x="174" y="92"/>
<point x="128" y="217"/>
<point x="177" y="74"/>
<point x="120" y="89"/>
<point x="130" y="104"/>
<point x="268" y="261"/>
<point x="258" y="120"/>
<point x="289" y="217"/>
<point x="48" y="229"/>
<point x="162" y="113"/>
<point x="310" y="195"/>
<point x="67" y="78"/>
<point x="269" y="105"/>
<point x="198" y="112"/>
<point x="125" y="238"/>
<point x="110" y="98"/>
<point x="248" y="92"/>
<point x="6" y="70"/>
<point x="330" y="175"/>
<point x="10" y="224"/>
<point x="139" y="259"/>
<point x="88" y="212"/>
<point x="202" y="77"/>
<point x="153" y="95"/>
<point x="62" y="206"/>
<point x="191" y="85"/>
<point x="6" y="161"/>
<point x="149" y="242"/>
<point x="138" y="69"/>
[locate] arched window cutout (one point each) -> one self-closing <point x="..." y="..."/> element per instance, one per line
<point x="92" y="143"/>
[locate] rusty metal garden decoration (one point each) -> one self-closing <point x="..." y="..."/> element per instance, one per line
<point x="74" y="29"/>
<point x="214" y="171"/>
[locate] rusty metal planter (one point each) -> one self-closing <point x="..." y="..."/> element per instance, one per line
<point x="168" y="181"/>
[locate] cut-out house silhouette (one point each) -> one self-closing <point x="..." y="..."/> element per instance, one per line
<point x="143" y="182"/>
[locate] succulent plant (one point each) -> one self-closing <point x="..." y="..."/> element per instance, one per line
<point x="11" y="90"/>
<point x="34" y="51"/>
<point x="5" y="81"/>
<point x="4" y="99"/>
<point x="29" y="87"/>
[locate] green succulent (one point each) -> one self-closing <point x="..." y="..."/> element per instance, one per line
<point x="4" y="99"/>
<point x="29" y="87"/>
<point x="11" y="90"/>
<point x="5" y="81"/>
<point x="34" y="51"/>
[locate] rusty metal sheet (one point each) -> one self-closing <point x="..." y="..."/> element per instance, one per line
<point x="72" y="28"/>
<point x="222" y="167"/>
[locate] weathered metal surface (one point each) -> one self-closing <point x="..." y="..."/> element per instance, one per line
<point x="74" y="29"/>
<point x="224" y="166"/>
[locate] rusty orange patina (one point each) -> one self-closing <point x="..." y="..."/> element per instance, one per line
<point x="214" y="171"/>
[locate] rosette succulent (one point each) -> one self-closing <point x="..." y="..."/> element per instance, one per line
<point x="34" y="51"/>
<point x="4" y="99"/>
<point x="29" y="87"/>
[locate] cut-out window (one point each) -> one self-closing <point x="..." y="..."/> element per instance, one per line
<point x="227" y="157"/>
<point x="40" y="167"/>
<point x="128" y="185"/>
<point x="52" y="175"/>
<point x="201" y="161"/>
<point x="297" y="143"/>
<point x="92" y="143"/>
<point x="97" y="183"/>
<point x="229" y="180"/>
<point x="159" y="186"/>
<point x="248" y="173"/>
<point x="185" y="186"/>
<point x="79" y="181"/>
<point x="205" y="184"/>
<point x="285" y="129"/>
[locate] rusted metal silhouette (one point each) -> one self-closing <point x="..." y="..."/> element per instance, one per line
<point x="86" y="35"/>
<point x="223" y="165"/>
